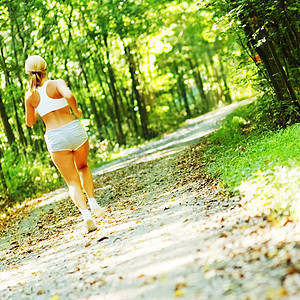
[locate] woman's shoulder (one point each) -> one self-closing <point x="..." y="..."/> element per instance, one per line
<point x="60" y="81"/>
<point x="56" y="82"/>
<point x="31" y="94"/>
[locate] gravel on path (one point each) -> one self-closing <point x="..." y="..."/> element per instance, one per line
<point x="169" y="232"/>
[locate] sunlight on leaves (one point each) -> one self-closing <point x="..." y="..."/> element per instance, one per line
<point x="277" y="188"/>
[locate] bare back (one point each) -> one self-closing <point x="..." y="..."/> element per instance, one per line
<point x="60" y="117"/>
<point x="55" y="89"/>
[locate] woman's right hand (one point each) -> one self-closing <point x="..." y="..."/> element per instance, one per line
<point x="78" y="113"/>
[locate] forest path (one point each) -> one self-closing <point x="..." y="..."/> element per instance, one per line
<point x="169" y="232"/>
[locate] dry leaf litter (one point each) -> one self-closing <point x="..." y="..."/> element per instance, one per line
<point x="169" y="232"/>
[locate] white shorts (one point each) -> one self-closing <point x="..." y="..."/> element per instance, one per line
<point x="68" y="137"/>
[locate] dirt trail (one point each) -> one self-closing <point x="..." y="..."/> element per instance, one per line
<point x="169" y="232"/>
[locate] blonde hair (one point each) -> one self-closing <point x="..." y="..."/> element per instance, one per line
<point x="36" y="68"/>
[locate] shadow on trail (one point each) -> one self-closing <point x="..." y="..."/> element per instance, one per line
<point x="174" y="235"/>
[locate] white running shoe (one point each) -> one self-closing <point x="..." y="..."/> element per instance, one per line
<point x="91" y="226"/>
<point x="87" y="217"/>
<point x="95" y="208"/>
<point x="98" y="211"/>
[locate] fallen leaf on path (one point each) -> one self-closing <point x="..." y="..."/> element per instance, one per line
<point x="180" y="285"/>
<point x="74" y="270"/>
<point x="92" y="281"/>
<point x="178" y="293"/>
<point x="104" y="267"/>
<point x="206" y="268"/>
<point x="103" y="238"/>
<point x="223" y="235"/>
<point x="275" y="293"/>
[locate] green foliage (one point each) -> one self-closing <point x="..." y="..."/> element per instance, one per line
<point x="231" y="133"/>
<point x="131" y="65"/>
<point x="262" y="165"/>
<point x="269" y="33"/>
<point x="162" y="119"/>
<point x="27" y="177"/>
<point x="272" y="114"/>
<point x="140" y="68"/>
<point x="276" y="189"/>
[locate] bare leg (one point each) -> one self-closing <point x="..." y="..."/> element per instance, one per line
<point x="80" y="158"/>
<point x="64" y="161"/>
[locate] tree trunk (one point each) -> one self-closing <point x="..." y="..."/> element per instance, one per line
<point x="200" y="85"/>
<point x="129" y="113"/>
<point x="114" y="94"/>
<point x="227" y="93"/>
<point x="256" y="31"/>
<point x="269" y="57"/>
<point x="13" y="21"/>
<point x="7" y="128"/>
<point x="140" y="101"/>
<point x="182" y="90"/>
<point x="91" y="98"/>
<point x="216" y="78"/>
<point x="108" y="108"/>
<point x="174" y="96"/>
<point x="2" y="178"/>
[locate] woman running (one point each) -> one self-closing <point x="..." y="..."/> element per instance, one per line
<point x="66" y="139"/>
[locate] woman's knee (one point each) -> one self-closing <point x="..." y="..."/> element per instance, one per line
<point x="82" y="167"/>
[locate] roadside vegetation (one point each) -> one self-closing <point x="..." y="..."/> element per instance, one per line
<point x="141" y="69"/>
<point x="259" y="164"/>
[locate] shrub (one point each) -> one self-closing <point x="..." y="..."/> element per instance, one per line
<point x="263" y="166"/>
<point x="27" y="177"/>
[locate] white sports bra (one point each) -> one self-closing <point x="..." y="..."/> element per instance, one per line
<point x="48" y="104"/>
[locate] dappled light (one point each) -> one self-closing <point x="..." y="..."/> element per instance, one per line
<point x="141" y="254"/>
<point x="169" y="229"/>
<point x="188" y="134"/>
<point x="189" y="117"/>
<point x="275" y="188"/>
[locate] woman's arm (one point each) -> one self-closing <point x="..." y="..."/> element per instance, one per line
<point x="31" y="114"/>
<point x="64" y="90"/>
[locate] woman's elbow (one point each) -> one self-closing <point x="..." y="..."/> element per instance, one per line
<point x="69" y="96"/>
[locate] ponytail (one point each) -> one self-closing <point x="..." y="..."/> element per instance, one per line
<point x="36" y="68"/>
<point x="35" y="79"/>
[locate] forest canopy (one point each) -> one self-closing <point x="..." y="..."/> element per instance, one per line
<point x="140" y="68"/>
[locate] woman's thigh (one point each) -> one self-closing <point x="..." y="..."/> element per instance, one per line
<point x="64" y="161"/>
<point x="81" y="155"/>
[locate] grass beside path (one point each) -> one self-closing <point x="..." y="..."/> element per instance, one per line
<point x="262" y="166"/>
<point x="169" y="232"/>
